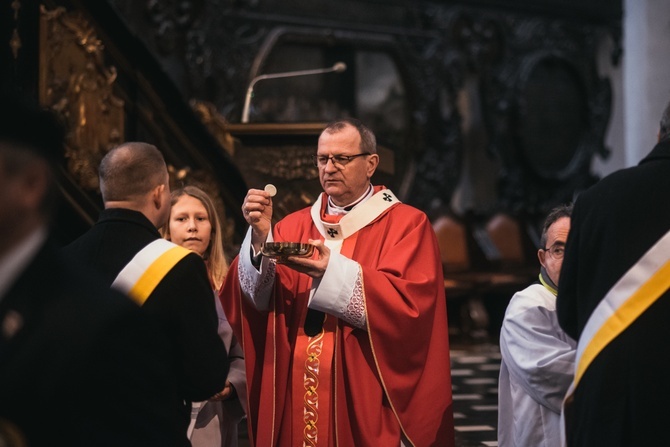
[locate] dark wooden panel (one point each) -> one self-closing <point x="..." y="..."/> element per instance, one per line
<point x="500" y="96"/>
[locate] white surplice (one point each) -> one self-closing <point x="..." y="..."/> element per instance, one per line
<point x="536" y="370"/>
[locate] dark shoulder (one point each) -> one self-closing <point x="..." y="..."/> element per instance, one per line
<point x="109" y="246"/>
<point x="625" y="192"/>
<point x="189" y="264"/>
<point x="188" y="278"/>
<point x="88" y="291"/>
<point x="74" y="299"/>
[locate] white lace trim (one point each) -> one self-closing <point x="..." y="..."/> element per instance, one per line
<point x="255" y="288"/>
<point x="354" y="313"/>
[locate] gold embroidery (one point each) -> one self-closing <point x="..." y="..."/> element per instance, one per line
<point x="311" y="383"/>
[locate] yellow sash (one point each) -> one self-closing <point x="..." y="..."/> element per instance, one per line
<point x="144" y="272"/>
<point x="630" y="297"/>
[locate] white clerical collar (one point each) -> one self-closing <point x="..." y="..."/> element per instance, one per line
<point x="337" y="210"/>
<point x="360" y="216"/>
<point x="13" y="263"/>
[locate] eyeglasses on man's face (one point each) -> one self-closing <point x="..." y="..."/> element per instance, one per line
<point x="556" y="251"/>
<point x="339" y="161"/>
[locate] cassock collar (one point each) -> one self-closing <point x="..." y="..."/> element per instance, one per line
<point x="357" y="218"/>
<point x="546" y="281"/>
<point x="128" y="216"/>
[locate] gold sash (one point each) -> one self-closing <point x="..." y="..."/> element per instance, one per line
<point x="146" y="270"/>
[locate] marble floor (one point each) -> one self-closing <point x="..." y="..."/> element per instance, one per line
<point x="474" y="370"/>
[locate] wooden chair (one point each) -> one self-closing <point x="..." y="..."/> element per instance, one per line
<point x="452" y="241"/>
<point x="463" y="286"/>
<point x="505" y="234"/>
<point x="512" y="266"/>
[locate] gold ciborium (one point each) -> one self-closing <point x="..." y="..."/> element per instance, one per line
<point x="283" y="250"/>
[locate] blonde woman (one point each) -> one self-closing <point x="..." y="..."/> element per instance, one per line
<point x="194" y="224"/>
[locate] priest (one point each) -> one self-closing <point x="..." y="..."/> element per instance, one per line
<point x="350" y="345"/>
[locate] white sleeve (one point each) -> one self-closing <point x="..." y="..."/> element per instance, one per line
<point x="256" y="283"/>
<point x="340" y="291"/>
<point x="539" y="355"/>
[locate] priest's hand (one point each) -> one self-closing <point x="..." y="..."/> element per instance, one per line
<point x="314" y="266"/>
<point x="257" y="210"/>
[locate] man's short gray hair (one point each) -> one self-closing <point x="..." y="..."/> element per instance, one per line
<point x="555" y="214"/>
<point x="131" y="170"/>
<point x="368" y="140"/>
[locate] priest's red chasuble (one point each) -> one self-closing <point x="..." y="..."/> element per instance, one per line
<point x="349" y="386"/>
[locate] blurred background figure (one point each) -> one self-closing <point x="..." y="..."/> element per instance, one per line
<point x="195" y="224"/>
<point x="538" y="358"/>
<point x="79" y="363"/>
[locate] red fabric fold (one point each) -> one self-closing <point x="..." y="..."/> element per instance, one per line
<point x="392" y="379"/>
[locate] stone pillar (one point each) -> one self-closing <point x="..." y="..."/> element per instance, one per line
<point x="646" y="73"/>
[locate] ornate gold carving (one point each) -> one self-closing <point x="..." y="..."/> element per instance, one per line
<point x="75" y="81"/>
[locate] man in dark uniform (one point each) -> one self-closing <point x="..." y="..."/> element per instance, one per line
<point x="613" y="297"/>
<point x="135" y="189"/>
<point x="80" y="364"/>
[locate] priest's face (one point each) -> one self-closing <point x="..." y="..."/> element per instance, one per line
<point x="552" y="258"/>
<point x="344" y="181"/>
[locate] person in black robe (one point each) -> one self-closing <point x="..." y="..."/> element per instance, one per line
<point x="80" y="364"/>
<point x="135" y="189"/>
<point x="620" y="399"/>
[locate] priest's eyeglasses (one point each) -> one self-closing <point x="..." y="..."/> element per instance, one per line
<point x="556" y="251"/>
<point x="339" y="161"/>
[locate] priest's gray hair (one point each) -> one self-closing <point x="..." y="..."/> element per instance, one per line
<point x="368" y="140"/>
<point x="555" y="214"/>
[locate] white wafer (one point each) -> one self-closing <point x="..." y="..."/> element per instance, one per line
<point x="271" y="189"/>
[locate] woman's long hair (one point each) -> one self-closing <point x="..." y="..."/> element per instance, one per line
<point x="214" y="257"/>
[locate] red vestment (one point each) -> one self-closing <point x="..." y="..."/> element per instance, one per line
<point x="393" y="378"/>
